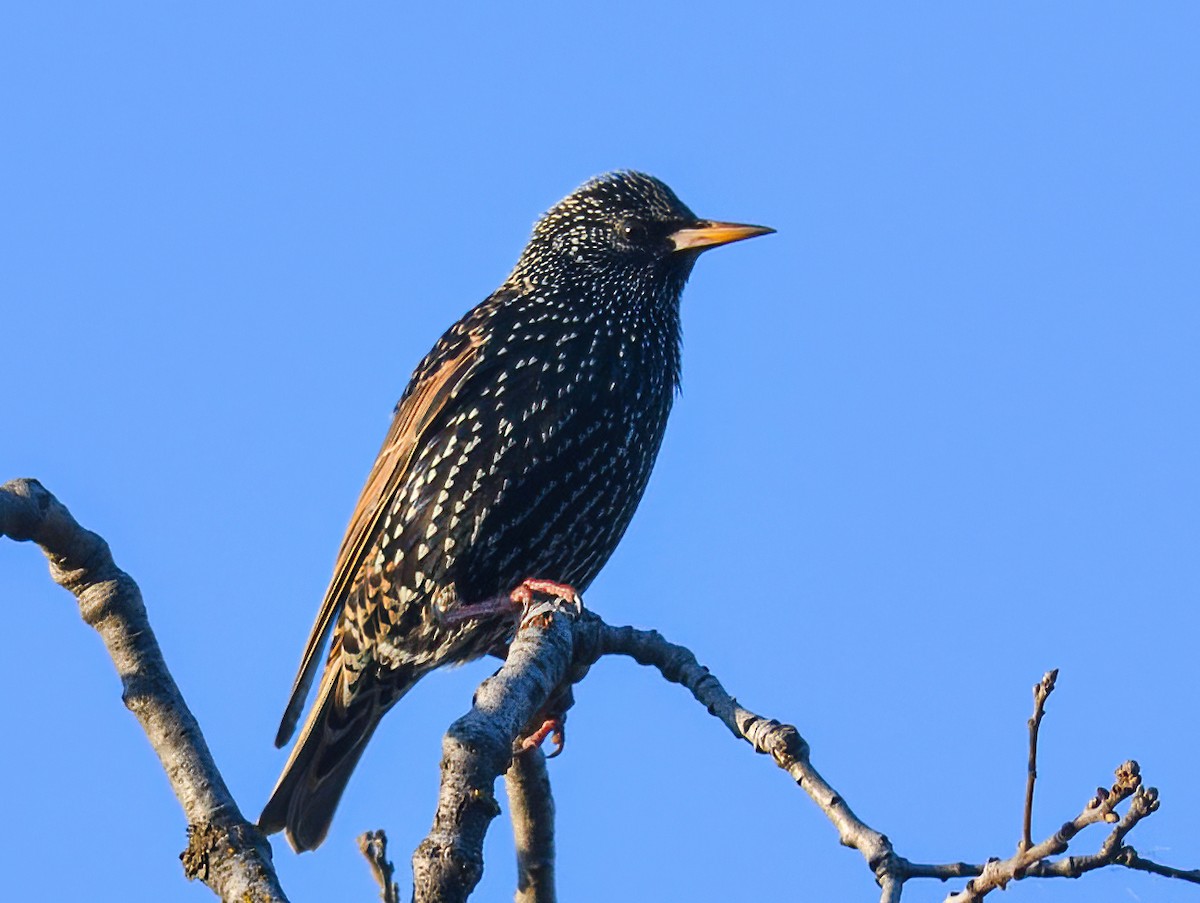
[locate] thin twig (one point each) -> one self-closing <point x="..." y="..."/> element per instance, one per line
<point x="226" y="852"/>
<point x="782" y="742"/>
<point x="531" y="808"/>
<point x="373" y="845"/>
<point x="1129" y="858"/>
<point x="1113" y="851"/>
<point x="1041" y="692"/>
<point x="998" y="873"/>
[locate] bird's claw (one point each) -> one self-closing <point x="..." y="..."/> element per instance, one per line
<point x="562" y="597"/>
<point x="555" y="729"/>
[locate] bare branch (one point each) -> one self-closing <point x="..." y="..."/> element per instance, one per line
<point x="782" y="742"/>
<point x="224" y="851"/>
<point x="998" y="873"/>
<point x="891" y="888"/>
<point x="1129" y="858"/>
<point x="677" y="664"/>
<point x="548" y="655"/>
<point x="1114" y="851"/>
<point x="531" y="808"/>
<point x="373" y="845"/>
<point x="477" y="749"/>
<point x="1041" y="692"/>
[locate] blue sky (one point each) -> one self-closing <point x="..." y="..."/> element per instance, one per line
<point x="937" y="435"/>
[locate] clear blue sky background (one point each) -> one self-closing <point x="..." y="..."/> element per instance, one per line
<point x="937" y="435"/>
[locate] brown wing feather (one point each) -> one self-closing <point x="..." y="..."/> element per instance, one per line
<point x="428" y="395"/>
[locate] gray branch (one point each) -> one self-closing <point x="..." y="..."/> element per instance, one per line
<point x="453" y="851"/>
<point x="1041" y="692"/>
<point x="477" y="749"/>
<point x="998" y="873"/>
<point x="781" y="741"/>
<point x="531" y="808"/>
<point x="373" y="845"/>
<point x="549" y="654"/>
<point x="224" y="851"/>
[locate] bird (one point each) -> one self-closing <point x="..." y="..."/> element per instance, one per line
<point x="514" y="462"/>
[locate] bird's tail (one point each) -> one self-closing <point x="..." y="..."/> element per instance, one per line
<point x="334" y="737"/>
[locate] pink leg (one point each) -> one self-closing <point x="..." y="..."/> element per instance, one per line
<point x="488" y="608"/>
<point x="520" y="599"/>
<point x="561" y="593"/>
<point x="552" y="728"/>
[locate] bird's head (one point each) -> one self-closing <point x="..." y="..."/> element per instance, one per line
<point x="623" y="229"/>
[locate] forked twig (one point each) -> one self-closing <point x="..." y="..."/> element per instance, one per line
<point x="997" y="873"/>
<point x="373" y="845"/>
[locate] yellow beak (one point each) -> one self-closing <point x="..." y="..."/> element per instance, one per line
<point x="706" y="234"/>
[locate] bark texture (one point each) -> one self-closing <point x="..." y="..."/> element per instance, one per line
<point x="224" y="851"/>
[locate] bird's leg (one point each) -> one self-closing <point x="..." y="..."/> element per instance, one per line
<point x="551" y="722"/>
<point x="560" y="594"/>
<point x="553" y="728"/>
<point x="521" y="599"/>
<point x="488" y="608"/>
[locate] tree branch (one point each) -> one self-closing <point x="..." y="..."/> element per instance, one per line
<point x="594" y="638"/>
<point x="548" y="655"/>
<point x="477" y="749"/>
<point x="226" y="852"/>
<point x="998" y="873"/>
<point x="531" y="808"/>
<point x="1041" y="692"/>
<point x="373" y="845"/>
<point x="782" y="742"/>
<point x="1129" y="858"/>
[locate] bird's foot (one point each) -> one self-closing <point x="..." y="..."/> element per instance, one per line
<point x="549" y="721"/>
<point x="562" y="595"/>
<point x="554" y="728"/>
<point x="522" y="599"/>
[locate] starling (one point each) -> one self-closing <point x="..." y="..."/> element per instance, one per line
<point x="513" y="465"/>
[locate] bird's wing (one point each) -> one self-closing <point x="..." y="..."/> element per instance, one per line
<point x="434" y="384"/>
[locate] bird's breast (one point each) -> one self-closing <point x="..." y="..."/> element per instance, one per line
<point x="559" y="442"/>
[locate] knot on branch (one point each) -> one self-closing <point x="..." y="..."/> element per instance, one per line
<point x="25" y="508"/>
<point x="80" y="560"/>
<point x="782" y="742"/>
<point x="446" y="871"/>
<point x="209" y="844"/>
<point x="116" y="596"/>
<point x="204" y="840"/>
<point x="886" y="864"/>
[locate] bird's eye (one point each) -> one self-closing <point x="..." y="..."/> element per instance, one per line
<point x="631" y="230"/>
